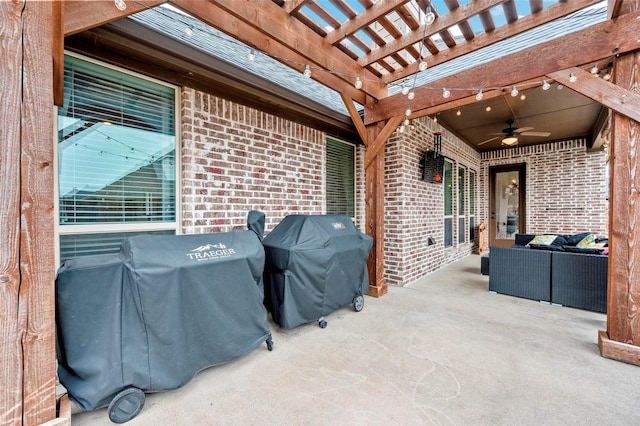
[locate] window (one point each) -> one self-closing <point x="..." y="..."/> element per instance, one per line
<point x="448" y="203"/>
<point x="340" y="178"/>
<point x="116" y="147"/>
<point x="461" y="204"/>
<point x="472" y="205"/>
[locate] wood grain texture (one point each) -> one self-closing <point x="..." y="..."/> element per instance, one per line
<point x="623" y="304"/>
<point x="10" y="333"/>
<point x="573" y="49"/>
<point x="374" y="215"/>
<point x="37" y="270"/>
<point x="617" y="350"/>
<point x="80" y="15"/>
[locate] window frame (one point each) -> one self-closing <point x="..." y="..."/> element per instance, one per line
<point x="462" y="203"/>
<point x="451" y="215"/>
<point x="77" y="229"/>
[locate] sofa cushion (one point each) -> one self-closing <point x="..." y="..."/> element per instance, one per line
<point x="585" y="250"/>
<point x="523" y="239"/>
<point x="574" y="239"/>
<point x="587" y="241"/>
<point x="550" y="247"/>
<point x="542" y="240"/>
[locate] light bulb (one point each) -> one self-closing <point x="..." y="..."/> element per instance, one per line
<point x="594" y="69"/>
<point x="405" y="90"/>
<point x="408" y="112"/>
<point x="252" y="55"/>
<point x="479" y="96"/>
<point x="411" y="95"/>
<point x="607" y="76"/>
<point x="545" y="85"/>
<point x="188" y="32"/>
<point x="435" y="118"/>
<point x="458" y="113"/>
<point x="514" y="91"/>
<point x="422" y="64"/>
<point x="358" y="83"/>
<point x="406" y="122"/>
<point x="523" y="97"/>
<point x="307" y="71"/>
<point x="488" y="109"/>
<point x="572" y="77"/>
<point x="120" y="4"/>
<point x="560" y="87"/>
<point x="445" y="93"/>
<point x="429" y="18"/>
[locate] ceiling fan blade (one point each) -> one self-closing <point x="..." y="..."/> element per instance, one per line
<point x="540" y="134"/>
<point x="488" y="140"/>
<point x="522" y="129"/>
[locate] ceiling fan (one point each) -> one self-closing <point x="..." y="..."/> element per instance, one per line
<point x="510" y="134"/>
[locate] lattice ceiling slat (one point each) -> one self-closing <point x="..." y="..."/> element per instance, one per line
<point x="510" y="11"/>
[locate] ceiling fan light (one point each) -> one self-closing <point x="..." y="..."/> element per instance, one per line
<point x="509" y="140"/>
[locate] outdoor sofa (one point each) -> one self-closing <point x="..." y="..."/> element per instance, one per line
<point x="562" y="273"/>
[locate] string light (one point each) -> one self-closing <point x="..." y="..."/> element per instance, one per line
<point x="358" y="83"/>
<point x="594" y="69"/>
<point x="429" y="17"/>
<point x="408" y="111"/>
<point x="560" y="87"/>
<point x="607" y="76"/>
<point x="411" y="94"/>
<point x="121" y="5"/>
<point x="488" y="109"/>
<point x="435" y="117"/>
<point x="458" y="113"/>
<point x="545" y="85"/>
<point x="445" y="93"/>
<point x="523" y="97"/>
<point x="405" y="90"/>
<point x="514" y="91"/>
<point x="188" y="31"/>
<point x="252" y="55"/>
<point x="422" y="64"/>
<point x="572" y="77"/>
<point x="479" y="96"/>
<point x="307" y="71"/>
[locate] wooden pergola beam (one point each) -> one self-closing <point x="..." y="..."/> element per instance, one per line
<point x="617" y="98"/>
<point x="506" y="31"/>
<point x="573" y="49"/>
<point x="355" y="117"/>
<point x="293" y="6"/>
<point x="363" y="19"/>
<point x="80" y="15"/>
<point x="270" y="23"/>
<point x="442" y="23"/>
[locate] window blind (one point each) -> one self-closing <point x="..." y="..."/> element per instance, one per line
<point x="340" y="178"/>
<point x="116" y="147"/>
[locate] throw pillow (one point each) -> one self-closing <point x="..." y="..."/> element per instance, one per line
<point x="587" y="241"/>
<point x="572" y="240"/>
<point x="543" y="240"/>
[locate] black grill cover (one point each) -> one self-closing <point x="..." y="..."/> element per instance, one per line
<point x="315" y="264"/>
<point x="153" y="316"/>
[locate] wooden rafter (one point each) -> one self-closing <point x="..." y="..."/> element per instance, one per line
<point x="83" y="15"/>
<point x="524" y="24"/>
<point x="608" y="94"/>
<point x="292" y="6"/>
<point x="264" y="23"/>
<point x="364" y="19"/>
<point x="355" y="117"/>
<point x="378" y="144"/>
<point x="573" y="49"/>
<point x="465" y="12"/>
<point x="57" y="51"/>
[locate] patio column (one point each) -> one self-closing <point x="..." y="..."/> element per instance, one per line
<point x="621" y="340"/>
<point x="27" y="326"/>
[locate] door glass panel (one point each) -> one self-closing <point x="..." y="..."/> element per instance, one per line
<point x="506" y="205"/>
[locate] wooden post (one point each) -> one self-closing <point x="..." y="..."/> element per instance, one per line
<point x="27" y="390"/>
<point x="621" y="340"/>
<point x="374" y="215"/>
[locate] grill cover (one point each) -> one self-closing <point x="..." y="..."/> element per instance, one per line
<point x="153" y="316"/>
<point x="315" y="264"/>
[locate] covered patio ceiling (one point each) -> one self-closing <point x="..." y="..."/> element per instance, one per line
<point x="368" y="50"/>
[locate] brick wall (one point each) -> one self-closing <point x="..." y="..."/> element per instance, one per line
<point x="235" y="159"/>
<point x="566" y="186"/>
<point x="414" y="209"/>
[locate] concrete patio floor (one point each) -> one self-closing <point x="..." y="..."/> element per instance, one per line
<point x="442" y="351"/>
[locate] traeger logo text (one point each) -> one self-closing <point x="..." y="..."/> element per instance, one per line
<point x="210" y="251"/>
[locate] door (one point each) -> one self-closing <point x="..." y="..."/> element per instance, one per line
<point x="507" y="212"/>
